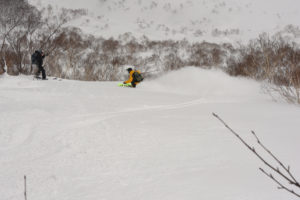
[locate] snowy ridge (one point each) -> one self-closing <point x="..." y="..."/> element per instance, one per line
<point x="213" y="21"/>
<point x="94" y="140"/>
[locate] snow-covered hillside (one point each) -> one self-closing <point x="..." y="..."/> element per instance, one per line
<point x="196" y="20"/>
<point x="94" y="141"/>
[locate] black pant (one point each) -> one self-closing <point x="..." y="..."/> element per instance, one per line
<point x="133" y="82"/>
<point x="41" y="69"/>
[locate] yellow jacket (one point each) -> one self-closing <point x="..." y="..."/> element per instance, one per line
<point x="131" y="76"/>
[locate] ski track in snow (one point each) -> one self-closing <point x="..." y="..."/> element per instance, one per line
<point x="109" y="115"/>
<point x="92" y="140"/>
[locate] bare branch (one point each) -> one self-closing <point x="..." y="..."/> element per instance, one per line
<point x="281" y="186"/>
<point x="51" y="34"/>
<point x="291" y="180"/>
<point x="287" y="169"/>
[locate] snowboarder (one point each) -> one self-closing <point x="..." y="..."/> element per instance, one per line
<point x="37" y="58"/>
<point x="135" y="77"/>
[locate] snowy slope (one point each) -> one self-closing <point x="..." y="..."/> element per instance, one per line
<point x="94" y="141"/>
<point x="196" y="20"/>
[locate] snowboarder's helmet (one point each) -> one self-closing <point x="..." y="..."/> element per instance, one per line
<point x="129" y="69"/>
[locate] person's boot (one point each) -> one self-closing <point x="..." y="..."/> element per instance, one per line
<point x="44" y="74"/>
<point x="37" y="75"/>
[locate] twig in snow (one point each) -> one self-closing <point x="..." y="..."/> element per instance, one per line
<point x="25" y="188"/>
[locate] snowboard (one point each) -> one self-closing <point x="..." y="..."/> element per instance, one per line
<point x="124" y="85"/>
<point x="58" y="79"/>
<point x="39" y="78"/>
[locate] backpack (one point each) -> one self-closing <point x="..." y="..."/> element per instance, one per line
<point x="137" y="76"/>
<point x="34" y="58"/>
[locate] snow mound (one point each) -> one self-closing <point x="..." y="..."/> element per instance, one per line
<point x="205" y="83"/>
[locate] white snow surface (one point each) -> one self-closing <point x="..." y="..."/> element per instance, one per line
<point x="196" y="20"/>
<point x="77" y="140"/>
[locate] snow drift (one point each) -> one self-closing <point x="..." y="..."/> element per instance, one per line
<point x="207" y="84"/>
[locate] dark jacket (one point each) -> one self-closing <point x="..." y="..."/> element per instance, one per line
<point x="40" y="57"/>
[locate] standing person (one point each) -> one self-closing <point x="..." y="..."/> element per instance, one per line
<point x="135" y="77"/>
<point x="37" y="58"/>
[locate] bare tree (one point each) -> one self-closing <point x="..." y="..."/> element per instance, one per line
<point x="11" y="16"/>
<point x="283" y="171"/>
<point x="20" y="39"/>
<point x="284" y="78"/>
<point x="53" y="24"/>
